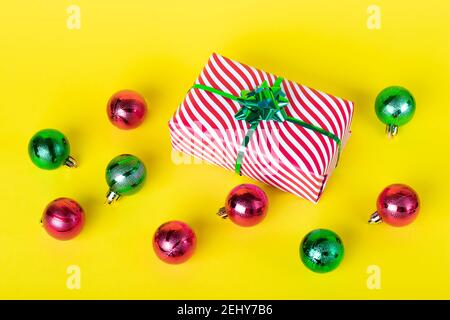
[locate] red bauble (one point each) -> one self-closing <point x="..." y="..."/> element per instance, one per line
<point x="397" y="205"/>
<point x="246" y="205"/>
<point x="63" y="219"/>
<point x="126" y="109"/>
<point x="174" y="242"/>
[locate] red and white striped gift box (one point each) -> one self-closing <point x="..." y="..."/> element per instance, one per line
<point x="281" y="154"/>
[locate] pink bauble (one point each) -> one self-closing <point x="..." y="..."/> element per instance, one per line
<point x="174" y="242"/>
<point x="126" y="109"/>
<point x="246" y="205"/>
<point x="63" y="219"/>
<point x="398" y="205"/>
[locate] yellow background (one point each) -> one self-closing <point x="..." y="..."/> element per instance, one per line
<point x="51" y="76"/>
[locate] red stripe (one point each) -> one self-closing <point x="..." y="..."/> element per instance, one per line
<point x="287" y="169"/>
<point x="276" y="173"/>
<point x="190" y="149"/>
<point x="220" y="119"/>
<point x="187" y="125"/>
<point x="232" y="76"/>
<point x="229" y="88"/>
<point x="241" y="124"/>
<point x="306" y="133"/>
<point x="305" y="109"/>
<point x="332" y="127"/>
<point x="239" y="71"/>
<point x="239" y="84"/>
<point x="336" y="120"/>
<point x="220" y="142"/>
<point x="257" y="82"/>
<point x="287" y="128"/>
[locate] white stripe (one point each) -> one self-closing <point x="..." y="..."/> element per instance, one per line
<point x="252" y="82"/>
<point x="339" y="111"/>
<point x="228" y="104"/>
<point x="311" y="119"/>
<point x="219" y="150"/>
<point x="294" y="176"/>
<point x="249" y="153"/>
<point x="286" y="161"/>
<point x="300" y="148"/>
<point x="351" y="106"/>
<point x="269" y="155"/>
<point x="345" y="108"/>
<point x="327" y="111"/>
<point x="247" y="75"/>
<point x="242" y="82"/>
<point x="224" y="76"/>
<point x="220" y="112"/>
<point x="192" y="149"/>
<point x="194" y="136"/>
<point x="275" y="173"/>
<point x="310" y="136"/>
<point x="323" y="161"/>
<point x="213" y="131"/>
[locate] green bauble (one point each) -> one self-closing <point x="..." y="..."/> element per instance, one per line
<point x="322" y="250"/>
<point x="395" y="106"/>
<point x="49" y="149"/>
<point x="125" y="175"/>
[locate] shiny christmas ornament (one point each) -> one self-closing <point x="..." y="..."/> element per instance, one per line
<point x="174" y="242"/>
<point x="397" y="205"/>
<point x="394" y="106"/>
<point x="49" y="149"/>
<point x="246" y="205"/>
<point x="321" y="250"/>
<point x="125" y="175"/>
<point x="126" y="109"/>
<point x="63" y="219"/>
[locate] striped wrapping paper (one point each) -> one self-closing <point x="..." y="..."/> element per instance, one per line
<point x="280" y="154"/>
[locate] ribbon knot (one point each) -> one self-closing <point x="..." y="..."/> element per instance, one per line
<point x="264" y="103"/>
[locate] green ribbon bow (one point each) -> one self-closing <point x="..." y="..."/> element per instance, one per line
<point x="264" y="103"/>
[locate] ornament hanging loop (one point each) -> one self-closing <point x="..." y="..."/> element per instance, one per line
<point x="111" y="197"/>
<point x="71" y="162"/>
<point x="375" y="218"/>
<point x="222" y="213"/>
<point x="391" y="130"/>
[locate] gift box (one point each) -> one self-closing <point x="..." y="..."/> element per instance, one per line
<point x="262" y="126"/>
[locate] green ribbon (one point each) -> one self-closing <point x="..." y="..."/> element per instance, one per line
<point x="265" y="103"/>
